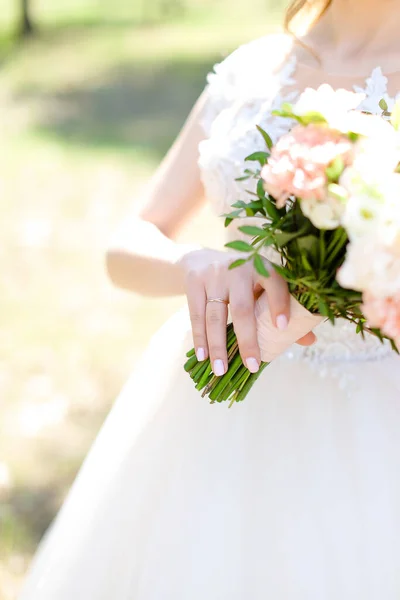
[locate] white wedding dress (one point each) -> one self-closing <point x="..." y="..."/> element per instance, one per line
<point x="292" y="495"/>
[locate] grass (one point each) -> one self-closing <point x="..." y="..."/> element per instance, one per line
<point x="87" y="114"/>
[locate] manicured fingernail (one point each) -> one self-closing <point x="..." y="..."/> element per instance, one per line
<point x="200" y="354"/>
<point x="281" y="322"/>
<point x="252" y="365"/>
<point x="219" y="367"/>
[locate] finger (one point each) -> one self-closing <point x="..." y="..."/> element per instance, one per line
<point x="278" y="295"/>
<point x="241" y="298"/>
<point x="216" y="321"/>
<point x="307" y="340"/>
<point x="196" y="297"/>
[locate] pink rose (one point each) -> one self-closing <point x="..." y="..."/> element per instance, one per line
<point x="298" y="162"/>
<point x="383" y="313"/>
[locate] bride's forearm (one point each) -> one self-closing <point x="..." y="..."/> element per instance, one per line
<point x="142" y="259"/>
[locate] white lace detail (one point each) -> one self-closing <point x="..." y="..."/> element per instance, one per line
<point x="375" y="90"/>
<point x="243" y="91"/>
<point x="242" y="94"/>
<point x="341" y="342"/>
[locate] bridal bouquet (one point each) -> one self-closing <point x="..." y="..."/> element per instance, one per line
<point x="328" y="199"/>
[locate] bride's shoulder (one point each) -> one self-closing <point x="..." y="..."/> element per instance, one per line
<point x="250" y="72"/>
<point x="259" y="58"/>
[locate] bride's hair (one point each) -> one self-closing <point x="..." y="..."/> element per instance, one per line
<point x="302" y="14"/>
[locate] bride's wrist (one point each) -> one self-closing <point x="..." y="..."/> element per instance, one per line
<point x="180" y="256"/>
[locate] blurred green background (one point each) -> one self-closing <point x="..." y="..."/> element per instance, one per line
<point x="92" y="93"/>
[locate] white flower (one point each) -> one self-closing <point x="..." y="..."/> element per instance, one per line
<point x="377" y="152"/>
<point x="362" y="216"/>
<point x="375" y="91"/>
<point x="326" y="101"/>
<point x="371" y="267"/>
<point x="373" y="206"/>
<point x="323" y="214"/>
<point x="366" y="125"/>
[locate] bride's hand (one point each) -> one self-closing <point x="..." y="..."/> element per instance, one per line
<point x="207" y="277"/>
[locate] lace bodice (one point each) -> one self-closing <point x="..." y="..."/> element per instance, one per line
<point x="243" y="91"/>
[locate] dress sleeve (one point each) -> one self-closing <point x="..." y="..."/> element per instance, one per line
<point x="241" y="75"/>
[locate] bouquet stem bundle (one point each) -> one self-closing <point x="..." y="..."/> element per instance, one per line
<point x="234" y="385"/>
<point x="311" y="260"/>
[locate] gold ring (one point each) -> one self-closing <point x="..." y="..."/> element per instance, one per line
<point x="220" y="300"/>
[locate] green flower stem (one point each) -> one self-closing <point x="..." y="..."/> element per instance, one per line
<point x="231" y="338"/>
<point x="210" y="384"/>
<point x="191" y="363"/>
<point x="249" y="383"/>
<point x="241" y="385"/>
<point x="214" y="380"/>
<point x="232" y="352"/>
<point x="225" y="379"/>
<point x="191" y="353"/>
<point x="205" y="377"/>
<point x="236" y="381"/>
<point x="234" y="385"/>
<point x="198" y="371"/>
<point x="194" y="370"/>
<point x="237" y="386"/>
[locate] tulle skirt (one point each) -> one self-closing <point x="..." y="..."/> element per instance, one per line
<point x="292" y="495"/>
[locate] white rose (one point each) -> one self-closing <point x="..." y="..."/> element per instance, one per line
<point x="328" y="102"/>
<point x="370" y="267"/>
<point x="373" y="207"/>
<point x="367" y="126"/>
<point x="378" y="155"/>
<point x="324" y="214"/>
<point x="362" y="216"/>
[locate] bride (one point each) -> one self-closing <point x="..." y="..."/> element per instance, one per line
<point x="295" y="493"/>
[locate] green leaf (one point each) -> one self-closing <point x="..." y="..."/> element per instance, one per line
<point x="260" y="266"/>
<point x="261" y="157"/>
<point x="254" y="231"/>
<point x="240" y="246"/>
<point x="237" y="263"/>
<point x="268" y="242"/>
<point x="312" y="117"/>
<point x="272" y="211"/>
<point x="233" y="214"/>
<point x="395" y="117"/>
<point x="229" y="217"/>
<point x="383" y="105"/>
<point x="353" y="137"/>
<point x="247" y="174"/>
<point x="283" y="239"/>
<point x="335" y="169"/>
<point x="250" y="212"/>
<point x="308" y="242"/>
<point x="260" y="189"/>
<point x="266" y="137"/>
<point x="240" y="204"/>
<point x="255" y="204"/>
<point x="323" y="308"/>
<point x="285" y="111"/>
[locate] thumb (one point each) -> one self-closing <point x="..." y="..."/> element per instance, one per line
<point x="307" y="340"/>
